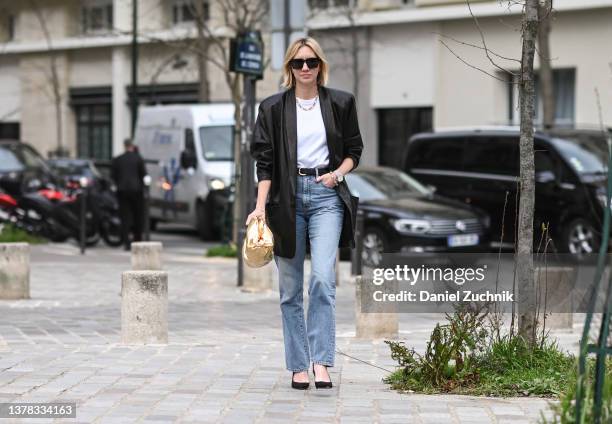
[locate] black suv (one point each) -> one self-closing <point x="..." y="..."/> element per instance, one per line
<point x="481" y="166"/>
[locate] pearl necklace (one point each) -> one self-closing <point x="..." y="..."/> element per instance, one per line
<point x="307" y="108"/>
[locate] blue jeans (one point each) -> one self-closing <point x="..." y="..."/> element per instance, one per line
<point x="319" y="214"/>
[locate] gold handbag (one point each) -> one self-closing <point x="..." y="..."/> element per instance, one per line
<point x="258" y="246"/>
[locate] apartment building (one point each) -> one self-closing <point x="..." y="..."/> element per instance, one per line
<point x="68" y="62"/>
<point x="392" y="53"/>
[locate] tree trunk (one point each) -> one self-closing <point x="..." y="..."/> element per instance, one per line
<point x="525" y="269"/>
<point x="546" y="75"/>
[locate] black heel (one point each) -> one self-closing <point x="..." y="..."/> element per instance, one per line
<point x="298" y="385"/>
<point x="321" y="384"/>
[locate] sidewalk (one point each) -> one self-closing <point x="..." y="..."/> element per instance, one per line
<point x="224" y="361"/>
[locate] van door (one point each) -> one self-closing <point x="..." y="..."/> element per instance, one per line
<point x="491" y="171"/>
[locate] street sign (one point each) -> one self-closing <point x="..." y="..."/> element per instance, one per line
<point x="246" y="54"/>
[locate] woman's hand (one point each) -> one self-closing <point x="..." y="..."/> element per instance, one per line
<point x="257" y="213"/>
<point x="329" y="180"/>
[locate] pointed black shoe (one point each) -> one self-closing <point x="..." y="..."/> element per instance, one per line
<point x="321" y="384"/>
<point x="298" y="385"/>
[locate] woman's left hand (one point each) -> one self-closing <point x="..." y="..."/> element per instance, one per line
<point x="328" y="180"/>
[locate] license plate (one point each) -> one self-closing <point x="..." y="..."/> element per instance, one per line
<point x="463" y="240"/>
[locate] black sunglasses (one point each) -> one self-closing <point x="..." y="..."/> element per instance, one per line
<point x="311" y="62"/>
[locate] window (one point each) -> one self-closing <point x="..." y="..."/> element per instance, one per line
<point x="564" y="83"/>
<point x="184" y="11"/>
<point x="94" y="131"/>
<point x="395" y="127"/>
<point x="97" y="16"/>
<point x="217" y="142"/>
<point x="444" y="154"/>
<point x="326" y="4"/>
<point x="492" y="155"/>
<point x="10" y="27"/>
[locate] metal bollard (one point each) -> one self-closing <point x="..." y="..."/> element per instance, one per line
<point x="357" y="252"/>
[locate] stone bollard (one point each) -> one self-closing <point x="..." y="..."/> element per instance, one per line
<point x="258" y="279"/>
<point x="144" y="307"/>
<point x="558" y="296"/>
<point x="14" y="271"/>
<point x="372" y="325"/>
<point x="146" y="256"/>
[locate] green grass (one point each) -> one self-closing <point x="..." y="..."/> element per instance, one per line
<point x="507" y="368"/>
<point x="510" y="368"/>
<point x="11" y="234"/>
<point x="225" y="251"/>
<point x="564" y="411"/>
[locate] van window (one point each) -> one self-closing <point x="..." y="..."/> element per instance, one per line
<point x="217" y="142"/>
<point x="444" y="154"/>
<point x="492" y="155"/>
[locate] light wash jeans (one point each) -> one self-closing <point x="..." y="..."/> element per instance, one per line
<point x="319" y="214"/>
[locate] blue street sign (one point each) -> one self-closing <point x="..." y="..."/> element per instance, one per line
<point x="246" y="54"/>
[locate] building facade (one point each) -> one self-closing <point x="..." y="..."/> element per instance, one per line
<point x="413" y="64"/>
<point x="65" y="69"/>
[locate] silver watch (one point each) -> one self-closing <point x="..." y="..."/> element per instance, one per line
<point x="339" y="176"/>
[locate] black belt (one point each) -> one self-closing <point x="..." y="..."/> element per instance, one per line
<point x="313" y="171"/>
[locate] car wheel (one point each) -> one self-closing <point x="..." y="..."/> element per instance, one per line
<point x="580" y="238"/>
<point x="374" y="245"/>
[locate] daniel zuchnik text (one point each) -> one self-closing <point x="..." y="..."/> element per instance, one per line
<point x="458" y="276"/>
<point x="457" y="296"/>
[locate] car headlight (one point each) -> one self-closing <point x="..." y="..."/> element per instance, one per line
<point x="216" y="184"/>
<point x="411" y="226"/>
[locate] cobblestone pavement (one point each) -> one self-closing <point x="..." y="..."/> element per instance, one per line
<point x="224" y="361"/>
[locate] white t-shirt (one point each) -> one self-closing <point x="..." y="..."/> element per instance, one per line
<point x="312" y="149"/>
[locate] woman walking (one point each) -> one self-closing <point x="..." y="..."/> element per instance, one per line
<point x="305" y="140"/>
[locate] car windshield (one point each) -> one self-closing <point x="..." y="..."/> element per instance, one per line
<point x="383" y="184"/>
<point x="587" y="155"/>
<point x="217" y="142"/>
<point x="17" y="157"/>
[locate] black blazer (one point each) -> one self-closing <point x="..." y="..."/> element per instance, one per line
<point x="274" y="147"/>
<point x="128" y="171"/>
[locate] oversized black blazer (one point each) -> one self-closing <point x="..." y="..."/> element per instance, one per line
<point x="274" y="147"/>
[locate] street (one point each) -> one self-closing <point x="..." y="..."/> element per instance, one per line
<point x="224" y="361"/>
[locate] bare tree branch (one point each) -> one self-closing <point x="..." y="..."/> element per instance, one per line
<point x="482" y="37"/>
<point x="477" y="68"/>
<point x="477" y="47"/>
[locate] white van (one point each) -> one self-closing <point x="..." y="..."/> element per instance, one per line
<point x="188" y="150"/>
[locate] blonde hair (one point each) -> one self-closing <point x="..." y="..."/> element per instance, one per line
<point x="288" y="78"/>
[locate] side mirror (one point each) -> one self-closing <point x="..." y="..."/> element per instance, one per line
<point x="431" y="188"/>
<point x="545" y="177"/>
<point x="188" y="159"/>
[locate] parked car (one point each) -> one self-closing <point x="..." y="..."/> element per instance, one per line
<point x="402" y="215"/>
<point x="22" y="169"/>
<point x="480" y="167"/>
<point x="70" y="171"/>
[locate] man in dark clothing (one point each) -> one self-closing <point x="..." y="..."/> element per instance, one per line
<point x="128" y="171"/>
